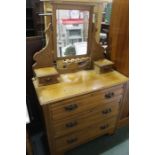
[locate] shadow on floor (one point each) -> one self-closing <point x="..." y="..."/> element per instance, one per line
<point x="105" y="145"/>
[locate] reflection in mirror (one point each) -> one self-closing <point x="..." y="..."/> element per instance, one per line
<point x="72" y="32"/>
<point x="105" y="24"/>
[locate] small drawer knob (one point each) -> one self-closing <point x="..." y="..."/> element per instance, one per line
<point x="71" y="124"/>
<point x="106" y="111"/>
<point x="104" y="126"/>
<point x="72" y="140"/>
<point x="71" y="107"/>
<point x="109" y="95"/>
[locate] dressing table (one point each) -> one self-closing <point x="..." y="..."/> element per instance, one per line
<point x="80" y="95"/>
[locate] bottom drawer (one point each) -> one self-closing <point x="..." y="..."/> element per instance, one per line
<point x="75" y="139"/>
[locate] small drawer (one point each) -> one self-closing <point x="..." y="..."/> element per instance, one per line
<point x="103" y="66"/>
<point x="86" y="119"/>
<point x="48" y="80"/>
<point x="77" y="138"/>
<point x="71" y="107"/>
<point x="46" y="75"/>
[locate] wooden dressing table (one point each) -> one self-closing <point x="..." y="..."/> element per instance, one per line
<point x="78" y="102"/>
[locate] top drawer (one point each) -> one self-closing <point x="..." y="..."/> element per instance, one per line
<point x="75" y="105"/>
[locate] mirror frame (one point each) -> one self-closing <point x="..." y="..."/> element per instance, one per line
<point x="54" y="25"/>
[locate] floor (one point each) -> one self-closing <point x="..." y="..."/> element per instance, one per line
<point x="117" y="144"/>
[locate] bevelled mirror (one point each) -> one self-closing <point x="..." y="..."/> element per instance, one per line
<point x="72" y="28"/>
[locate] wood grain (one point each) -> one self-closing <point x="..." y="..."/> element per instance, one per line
<point x="60" y="112"/>
<point x="119" y="47"/>
<point x="63" y="90"/>
<point x="46" y="71"/>
<point x="87" y="118"/>
<point x="96" y="49"/>
<point x="89" y="115"/>
<point x="119" y="36"/>
<point x="75" y="139"/>
<point x="124" y="110"/>
<point x="44" y="58"/>
<point x="83" y="99"/>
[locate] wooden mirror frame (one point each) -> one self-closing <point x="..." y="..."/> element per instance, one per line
<point x="70" y="6"/>
<point x="46" y="56"/>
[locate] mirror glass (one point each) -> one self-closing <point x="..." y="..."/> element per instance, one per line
<point x="72" y="32"/>
<point x="105" y="24"/>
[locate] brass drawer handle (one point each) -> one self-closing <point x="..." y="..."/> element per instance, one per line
<point x="71" y="107"/>
<point x="71" y="124"/>
<point x="73" y="140"/>
<point x="107" y="111"/>
<point x="104" y="127"/>
<point x="109" y="95"/>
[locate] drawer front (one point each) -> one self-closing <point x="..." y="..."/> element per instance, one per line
<point x="48" y="80"/>
<point x="75" y="139"/>
<point x="87" y="118"/>
<point x="74" y="106"/>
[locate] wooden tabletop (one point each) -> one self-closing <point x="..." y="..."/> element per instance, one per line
<point x="88" y="81"/>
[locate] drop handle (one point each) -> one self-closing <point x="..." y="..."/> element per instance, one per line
<point x="71" y="107"/>
<point x="107" y="111"/>
<point x="104" y="127"/>
<point x="71" y="124"/>
<point x="72" y="140"/>
<point x="109" y="95"/>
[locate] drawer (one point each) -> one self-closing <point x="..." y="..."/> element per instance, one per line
<point x="75" y="139"/>
<point x="48" y="80"/>
<point x="99" y="113"/>
<point x="46" y="75"/>
<point x="69" y="108"/>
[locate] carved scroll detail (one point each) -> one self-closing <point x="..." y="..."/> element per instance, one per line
<point x="44" y="57"/>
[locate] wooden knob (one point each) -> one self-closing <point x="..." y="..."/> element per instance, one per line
<point x="71" y="124"/>
<point x="104" y="127"/>
<point x="71" y="107"/>
<point x="72" y="140"/>
<point x="106" y="111"/>
<point x="109" y="95"/>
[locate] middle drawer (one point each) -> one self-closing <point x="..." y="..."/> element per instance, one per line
<point x="86" y="119"/>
